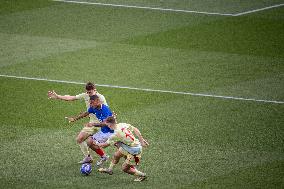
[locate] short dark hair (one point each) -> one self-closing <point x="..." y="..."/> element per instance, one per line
<point x="90" y="86"/>
<point x="94" y="97"/>
<point x="110" y="119"/>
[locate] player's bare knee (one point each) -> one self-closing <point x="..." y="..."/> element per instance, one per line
<point x="90" y="141"/>
<point x="125" y="169"/>
<point x="115" y="160"/>
<point x="96" y="146"/>
<point x="80" y="139"/>
<point x="115" y="156"/>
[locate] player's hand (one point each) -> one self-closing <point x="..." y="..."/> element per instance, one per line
<point x="144" y="142"/>
<point x="70" y="119"/>
<point x="114" y="115"/>
<point x="117" y="144"/>
<point x="52" y="95"/>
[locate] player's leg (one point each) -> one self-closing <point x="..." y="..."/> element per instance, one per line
<point x="129" y="167"/>
<point x="92" y="143"/>
<point x="132" y="170"/>
<point x="116" y="157"/>
<point x="100" y="137"/>
<point x="82" y="136"/>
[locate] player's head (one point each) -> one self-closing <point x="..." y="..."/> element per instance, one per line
<point x="110" y="121"/>
<point x="90" y="88"/>
<point x="95" y="101"/>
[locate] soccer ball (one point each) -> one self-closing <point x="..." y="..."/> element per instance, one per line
<point x="86" y="169"/>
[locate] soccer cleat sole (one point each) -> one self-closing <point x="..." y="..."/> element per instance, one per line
<point x="103" y="170"/>
<point x="140" y="179"/>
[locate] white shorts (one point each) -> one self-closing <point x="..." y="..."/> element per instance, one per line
<point x="101" y="137"/>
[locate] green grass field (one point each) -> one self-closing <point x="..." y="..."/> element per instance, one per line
<point x="196" y="141"/>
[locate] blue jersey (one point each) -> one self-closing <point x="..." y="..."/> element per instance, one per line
<point x="102" y="113"/>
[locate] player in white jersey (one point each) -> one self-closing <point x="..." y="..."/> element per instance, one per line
<point x="128" y="145"/>
<point x="86" y="131"/>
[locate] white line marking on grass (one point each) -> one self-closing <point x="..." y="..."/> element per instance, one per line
<point x="172" y="10"/>
<point x="257" y="10"/>
<point x="142" y="7"/>
<point x="149" y="90"/>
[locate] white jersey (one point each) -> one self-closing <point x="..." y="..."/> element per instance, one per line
<point x="86" y="98"/>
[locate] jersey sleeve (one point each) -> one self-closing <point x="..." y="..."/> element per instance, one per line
<point x="90" y="110"/>
<point x="102" y="99"/>
<point x="110" y="113"/>
<point x="107" y="111"/>
<point x="80" y="96"/>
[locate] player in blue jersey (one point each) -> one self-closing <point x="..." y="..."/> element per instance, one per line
<point x="84" y="134"/>
<point x="101" y="111"/>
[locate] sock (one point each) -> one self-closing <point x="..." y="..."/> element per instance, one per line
<point x="84" y="148"/>
<point x="111" y="165"/>
<point x="132" y="167"/>
<point x="100" y="152"/>
<point x="138" y="173"/>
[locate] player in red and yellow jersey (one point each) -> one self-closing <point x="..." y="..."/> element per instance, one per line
<point x="128" y="145"/>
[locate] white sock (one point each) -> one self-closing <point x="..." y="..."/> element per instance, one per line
<point x="139" y="173"/>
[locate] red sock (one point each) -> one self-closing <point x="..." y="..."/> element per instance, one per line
<point x="132" y="168"/>
<point x="100" y="152"/>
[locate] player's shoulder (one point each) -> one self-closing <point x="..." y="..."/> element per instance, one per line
<point x="123" y="125"/>
<point x="91" y="110"/>
<point x="106" y="107"/>
<point x="98" y="94"/>
<point x="101" y="96"/>
<point x="119" y="126"/>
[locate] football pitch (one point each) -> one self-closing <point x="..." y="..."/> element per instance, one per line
<point x="202" y="80"/>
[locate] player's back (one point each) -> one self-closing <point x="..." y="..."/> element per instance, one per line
<point x="125" y="134"/>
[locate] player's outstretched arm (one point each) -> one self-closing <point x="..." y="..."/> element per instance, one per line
<point x="143" y="142"/>
<point x="73" y="119"/>
<point x="53" y="95"/>
<point x="95" y="124"/>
